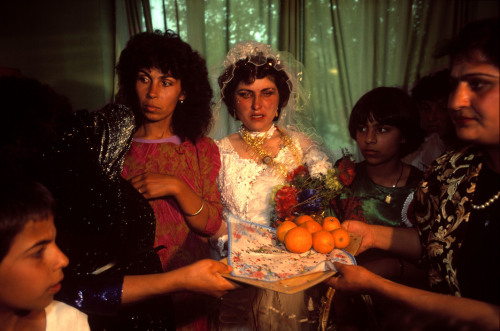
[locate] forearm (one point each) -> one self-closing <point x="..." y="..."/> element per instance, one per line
<point x="201" y="213"/>
<point x="203" y="276"/>
<point x="143" y="287"/>
<point x="401" y="241"/>
<point x="445" y="308"/>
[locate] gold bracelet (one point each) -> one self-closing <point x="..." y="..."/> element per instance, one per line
<point x="199" y="211"/>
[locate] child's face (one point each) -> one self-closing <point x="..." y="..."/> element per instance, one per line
<point x="31" y="272"/>
<point x="379" y="143"/>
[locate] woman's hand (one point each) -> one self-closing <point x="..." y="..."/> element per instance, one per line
<point x="364" y="230"/>
<point x="351" y="278"/>
<point x="154" y="185"/>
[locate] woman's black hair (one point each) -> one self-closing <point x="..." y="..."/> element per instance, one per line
<point x="477" y="39"/>
<point x="390" y="106"/>
<point x="169" y="54"/>
<point x="247" y="71"/>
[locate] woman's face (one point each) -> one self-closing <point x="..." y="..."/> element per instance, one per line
<point x="474" y="104"/>
<point x="158" y="94"/>
<point x="379" y="143"/>
<point x="256" y="104"/>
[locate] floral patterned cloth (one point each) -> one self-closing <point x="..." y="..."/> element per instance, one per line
<point x="254" y="253"/>
<point x="442" y="208"/>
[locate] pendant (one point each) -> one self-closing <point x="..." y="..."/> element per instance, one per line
<point x="267" y="160"/>
<point x="388" y="199"/>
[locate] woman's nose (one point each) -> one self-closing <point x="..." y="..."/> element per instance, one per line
<point x="459" y="98"/>
<point x="153" y="90"/>
<point x="257" y="102"/>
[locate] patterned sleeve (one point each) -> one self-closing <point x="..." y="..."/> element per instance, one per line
<point x="209" y="158"/>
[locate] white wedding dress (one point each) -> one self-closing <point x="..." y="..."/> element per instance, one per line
<point x="246" y="188"/>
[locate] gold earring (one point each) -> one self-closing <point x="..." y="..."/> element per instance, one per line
<point x="276" y="116"/>
<point x="234" y="115"/>
<point x="182" y="101"/>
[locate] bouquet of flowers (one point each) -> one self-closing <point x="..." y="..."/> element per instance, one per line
<point x="310" y="195"/>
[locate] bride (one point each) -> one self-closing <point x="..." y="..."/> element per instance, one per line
<point x="259" y="90"/>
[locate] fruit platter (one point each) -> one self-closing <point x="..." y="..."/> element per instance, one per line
<point x="290" y="257"/>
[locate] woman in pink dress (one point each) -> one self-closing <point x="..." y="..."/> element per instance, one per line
<point x="171" y="162"/>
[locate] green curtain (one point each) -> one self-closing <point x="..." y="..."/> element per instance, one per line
<point x="348" y="47"/>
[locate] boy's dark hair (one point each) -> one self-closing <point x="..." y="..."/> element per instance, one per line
<point x="247" y="71"/>
<point x="24" y="201"/>
<point x="433" y="87"/>
<point x="391" y="106"/>
<point x="167" y="52"/>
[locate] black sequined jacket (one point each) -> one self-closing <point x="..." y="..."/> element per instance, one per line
<point x="105" y="227"/>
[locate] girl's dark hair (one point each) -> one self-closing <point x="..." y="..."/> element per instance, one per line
<point x="166" y="52"/>
<point x="247" y="71"/>
<point x="24" y="201"/>
<point x="390" y="106"/>
<point x="476" y="36"/>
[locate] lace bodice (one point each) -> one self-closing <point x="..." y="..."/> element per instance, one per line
<point x="246" y="185"/>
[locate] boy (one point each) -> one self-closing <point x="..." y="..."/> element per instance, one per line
<point x="31" y="263"/>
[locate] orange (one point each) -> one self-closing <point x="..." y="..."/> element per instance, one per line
<point x="323" y="241"/>
<point x="331" y="223"/>
<point x="298" y="240"/>
<point x="311" y="226"/>
<point x="283" y="229"/>
<point x="302" y="219"/>
<point x="341" y="238"/>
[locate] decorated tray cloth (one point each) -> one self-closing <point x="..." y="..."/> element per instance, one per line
<point x="258" y="259"/>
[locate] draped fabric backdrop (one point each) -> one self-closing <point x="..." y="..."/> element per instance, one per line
<point x="348" y="47"/>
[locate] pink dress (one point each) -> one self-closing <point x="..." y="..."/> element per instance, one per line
<point x="198" y="165"/>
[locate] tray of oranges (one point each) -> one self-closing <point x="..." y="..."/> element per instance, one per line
<point x="290" y="258"/>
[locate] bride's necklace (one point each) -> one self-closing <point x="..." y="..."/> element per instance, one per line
<point x="256" y="140"/>
<point x="388" y="197"/>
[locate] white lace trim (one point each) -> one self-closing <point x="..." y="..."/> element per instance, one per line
<point x="404" y="210"/>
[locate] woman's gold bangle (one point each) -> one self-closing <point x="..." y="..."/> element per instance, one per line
<point x="199" y="211"/>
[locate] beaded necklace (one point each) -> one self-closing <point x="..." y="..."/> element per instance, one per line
<point x="256" y="141"/>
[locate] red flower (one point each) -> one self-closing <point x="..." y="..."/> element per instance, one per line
<point x="346" y="170"/>
<point x="301" y="171"/>
<point x="285" y="200"/>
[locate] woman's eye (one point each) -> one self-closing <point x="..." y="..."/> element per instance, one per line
<point x="268" y="93"/>
<point x="166" y="83"/>
<point x="477" y="84"/>
<point x="362" y="129"/>
<point x="244" y="95"/>
<point x="142" y="79"/>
